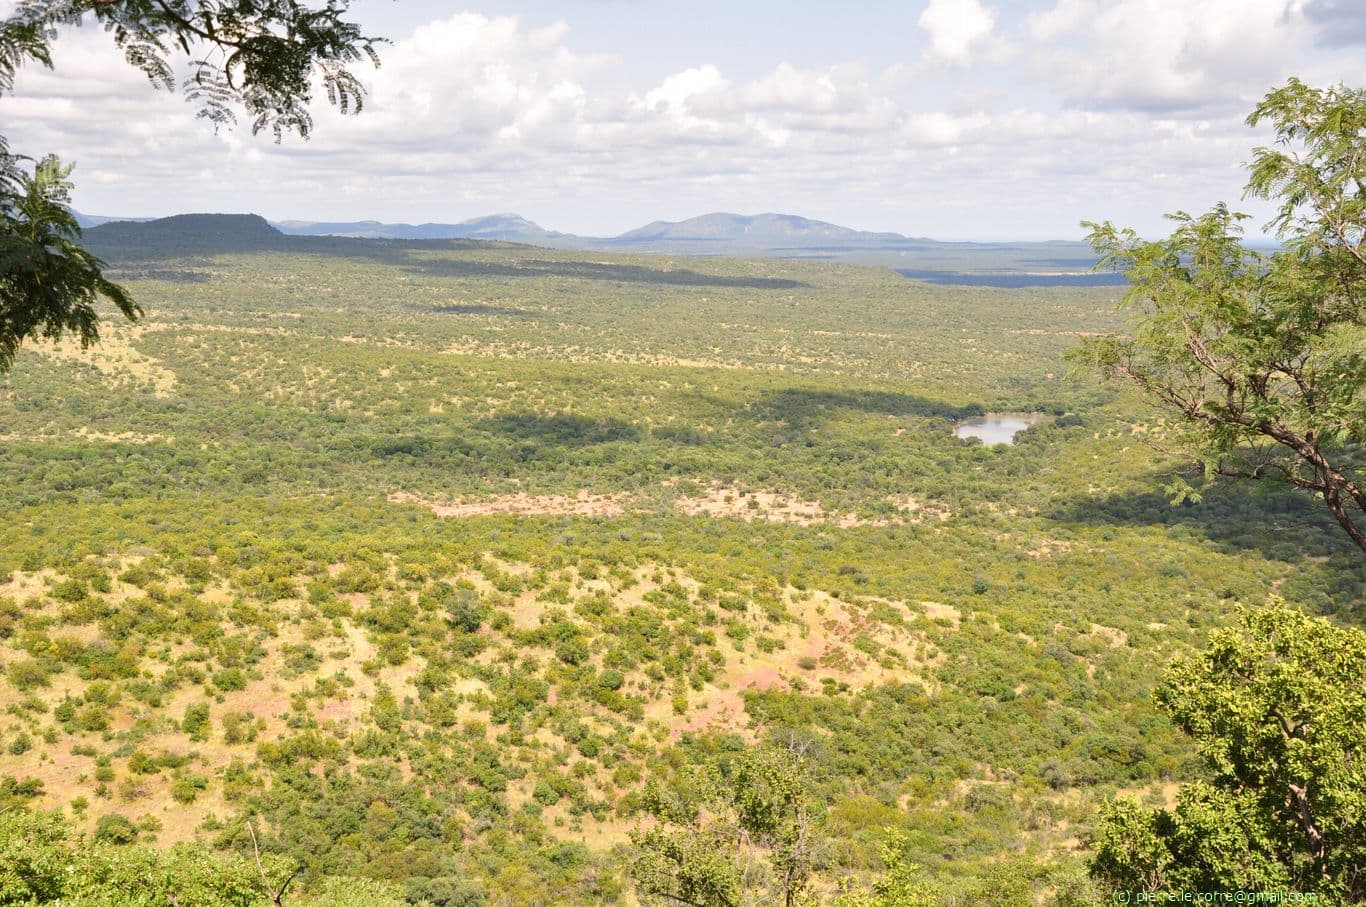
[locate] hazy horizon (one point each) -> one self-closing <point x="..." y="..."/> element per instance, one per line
<point x="1254" y="236"/>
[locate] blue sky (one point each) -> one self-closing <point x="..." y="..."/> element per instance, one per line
<point x="943" y="118"/>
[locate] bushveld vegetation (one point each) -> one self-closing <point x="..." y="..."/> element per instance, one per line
<point x="456" y="574"/>
<point x="694" y="508"/>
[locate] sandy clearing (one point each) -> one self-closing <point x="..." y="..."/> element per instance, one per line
<point x="116" y="360"/>
<point x="729" y="501"/>
<point x="522" y="504"/>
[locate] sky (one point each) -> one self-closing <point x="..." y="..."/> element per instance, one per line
<point x="953" y="119"/>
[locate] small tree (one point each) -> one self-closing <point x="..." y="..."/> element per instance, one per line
<point x="1278" y="708"/>
<point x="902" y="883"/>
<point x="740" y="833"/>
<point x="1262" y="358"/>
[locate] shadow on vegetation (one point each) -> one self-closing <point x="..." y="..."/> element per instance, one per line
<point x="593" y="270"/>
<point x="168" y="275"/>
<point x="1234" y="516"/>
<point x="132" y="246"/>
<point x="475" y="308"/>
<point x="1011" y="279"/>
<point x="810" y="407"/>
<point x="559" y="430"/>
<point x="136" y="251"/>
<point x="415" y="446"/>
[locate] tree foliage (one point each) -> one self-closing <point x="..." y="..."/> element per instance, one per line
<point x="43" y="862"/>
<point x="744" y="831"/>
<point x="49" y="285"/>
<point x="902" y="884"/>
<point x="1277" y="708"/>
<point x="262" y="56"/>
<point x="1262" y="358"/>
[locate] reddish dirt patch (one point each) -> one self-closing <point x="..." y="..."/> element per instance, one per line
<point x="584" y="504"/>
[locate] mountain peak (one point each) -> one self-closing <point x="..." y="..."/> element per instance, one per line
<point x="239" y="231"/>
<point x="764" y="228"/>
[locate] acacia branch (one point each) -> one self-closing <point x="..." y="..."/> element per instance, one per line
<point x="276" y="895"/>
<point x="189" y="26"/>
<point x="1258" y="472"/>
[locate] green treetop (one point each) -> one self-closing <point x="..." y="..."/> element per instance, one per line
<point x="1262" y="358"/>
<point x="1278" y="708"/>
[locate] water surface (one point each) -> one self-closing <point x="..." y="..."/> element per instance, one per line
<point x="998" y="428"/>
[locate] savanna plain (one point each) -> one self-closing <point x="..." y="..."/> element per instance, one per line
<point x="433" y="564"/>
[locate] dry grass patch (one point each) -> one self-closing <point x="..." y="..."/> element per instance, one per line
<point x="918" y="511"/>
<point x="118" y="363"/>
<point x="942" y="613"/>
<point x="87" y="434"/>
<point x="522" y="504"/>
<point x="1115" y="639"/>
<point x="825" y="641"/>
<point x="731" y="502"/>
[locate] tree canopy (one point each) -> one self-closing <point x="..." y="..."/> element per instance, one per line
<point x="1262" y="357"/>
<point x="741" y="830"/>
<point x="1277" y="707"/>
<point x="262" y="56"/>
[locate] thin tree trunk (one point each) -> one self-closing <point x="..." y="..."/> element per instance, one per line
<point x="1332" y="496"/>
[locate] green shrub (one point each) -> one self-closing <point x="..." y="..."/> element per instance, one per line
<point x="187" y="787"/>
<point x="113" y="828"/>
<point x="230" y="679"/>
<point x="28" y="674"/>
<point x="196" y="721"/>
<point x="356" y="892"/>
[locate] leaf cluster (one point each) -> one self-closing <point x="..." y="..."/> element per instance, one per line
<point x="49" y="284"/>
<point x="260" y="55"/>
<point x="1277" y="707"/>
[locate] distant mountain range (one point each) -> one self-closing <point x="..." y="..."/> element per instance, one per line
<point x="761" y="235"/>
<point x="760" y="230"/>
<point x="511" y="227"/>
<point x="708" y="233"/>
<point x="183" y="233"/>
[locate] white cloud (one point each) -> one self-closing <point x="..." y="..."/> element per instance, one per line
<point x="1133" y="108"/>
<point x="676" y="91"/>
<point x="938" y="128"/>
<point x="956" y="28"/>
<point x="1164" y="55"/>
<point x="1063" y="19"/>
<point x="834" y="90"/>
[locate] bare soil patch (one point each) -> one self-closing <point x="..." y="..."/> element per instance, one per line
<point x="521" y="504"/>
<point x="731" y="502"/>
